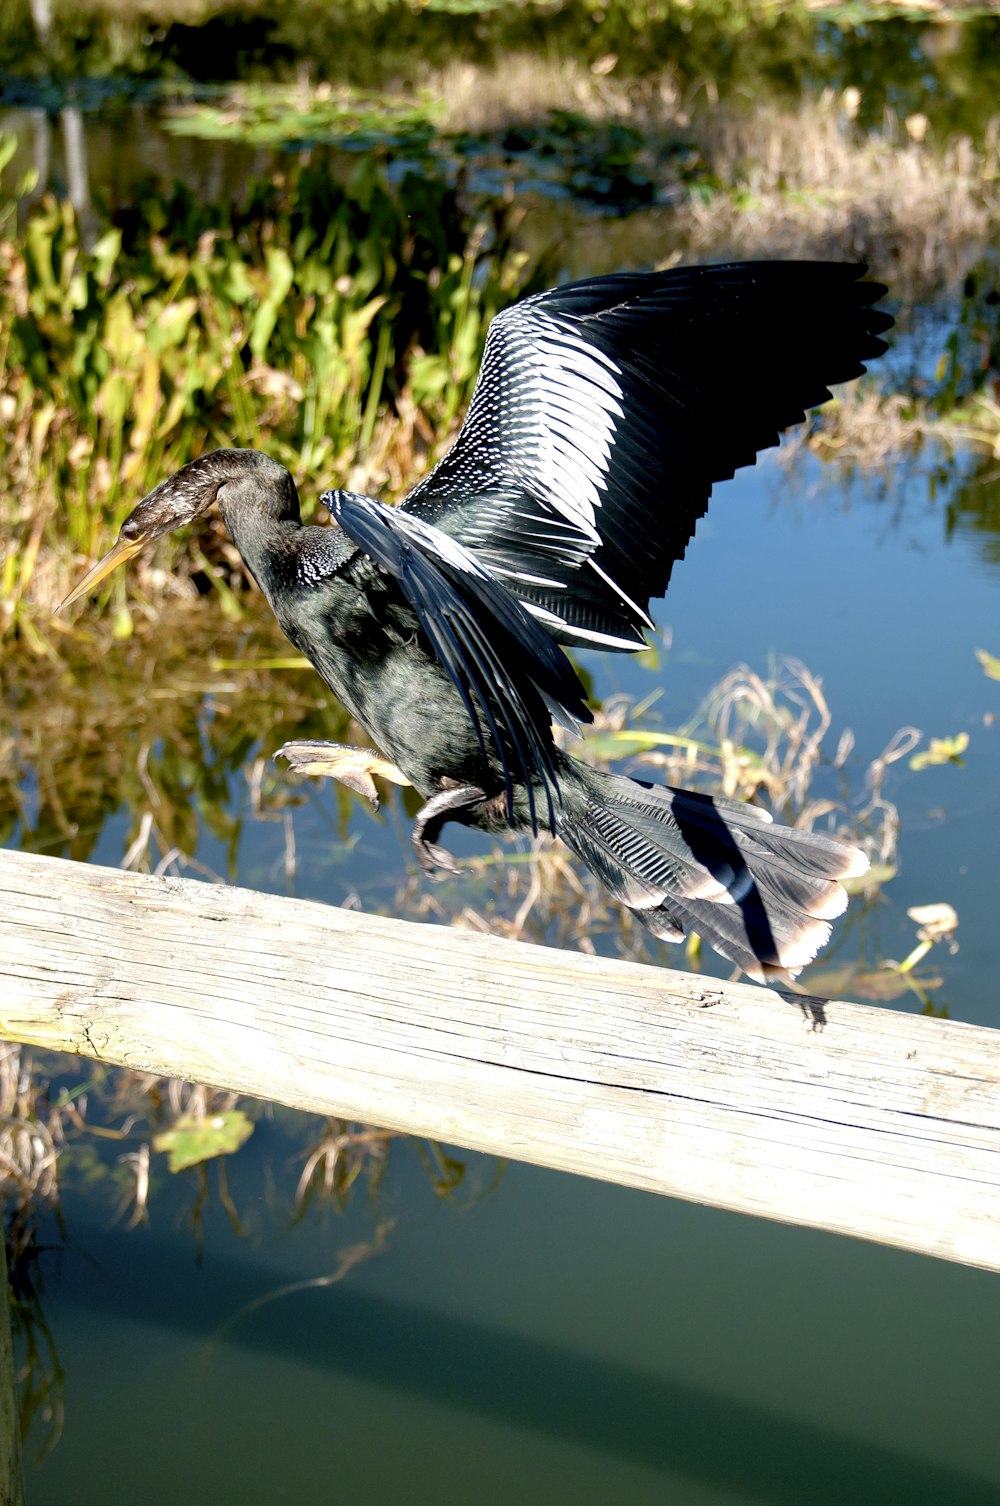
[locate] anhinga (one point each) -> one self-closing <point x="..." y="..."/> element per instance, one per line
<point x="603" y="414"/>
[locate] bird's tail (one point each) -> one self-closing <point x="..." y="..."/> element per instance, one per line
<point x="759" y="893"/>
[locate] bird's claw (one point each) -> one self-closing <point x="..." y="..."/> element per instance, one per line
<point x="435" y="860"/>
<point x="438" y="810"/>
<point x="349" y="765"/>
<point x="354" y="767"/>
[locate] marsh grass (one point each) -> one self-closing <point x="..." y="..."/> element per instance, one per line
<point x="340" y="324"/>
<point x="776" y="178"/>
<point x="809" y="180"/>
<point x="31" y="1130"/>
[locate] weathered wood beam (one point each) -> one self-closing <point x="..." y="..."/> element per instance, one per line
<point x="837" y="1116"/>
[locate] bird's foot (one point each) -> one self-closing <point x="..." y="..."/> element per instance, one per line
<point x="438" y="810"/>
<point x="344" y="762"/>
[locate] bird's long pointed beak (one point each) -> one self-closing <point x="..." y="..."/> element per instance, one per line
<point x="125" y="549"/>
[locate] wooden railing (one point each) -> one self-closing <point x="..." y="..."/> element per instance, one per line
<point x="838" y="1116"/>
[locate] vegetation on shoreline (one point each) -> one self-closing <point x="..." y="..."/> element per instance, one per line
<point x="339" y="320"/>
<point x="906" y="55"/>
<point x="340" y="324"/>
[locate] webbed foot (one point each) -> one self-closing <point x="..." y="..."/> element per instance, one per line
<point x="344" y="762"/>
<point x="431" y="817"/>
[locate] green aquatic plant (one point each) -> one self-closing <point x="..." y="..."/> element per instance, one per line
<point x="289" y="116"/>
<point x="990" y="663"/>
<point x="941" y="750"/>
<point x="197" y="1137"/>
<point x="340" y="323"/>
<point x="614" y="165"/>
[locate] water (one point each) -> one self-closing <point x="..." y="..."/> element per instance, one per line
<point x="560" y="1341"/>
<point x="538" y="1337"/>
<point x="546" y="1338"/>
<point x="872" y="595"/>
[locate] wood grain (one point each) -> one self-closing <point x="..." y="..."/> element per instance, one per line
<point x="837" y="1116"/>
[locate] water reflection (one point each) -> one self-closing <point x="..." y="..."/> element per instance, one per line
<point x="161" y="726"/>
<point x="562" y="1342"/>
<point x="973" y="514"/>
<point x="118" y="147"/>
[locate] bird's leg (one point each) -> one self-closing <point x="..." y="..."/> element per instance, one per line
<point x="342" y="761"/>
<point x="437" y="812"/>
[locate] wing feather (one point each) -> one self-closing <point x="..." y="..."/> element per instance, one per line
<point x="606" y="410"/>
<point x="507" y="669"/>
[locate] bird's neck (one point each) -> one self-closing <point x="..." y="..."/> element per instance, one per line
<point x="262" y="516"/>
<point x="281" y="553"/>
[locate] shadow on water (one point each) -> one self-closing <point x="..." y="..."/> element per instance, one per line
<point x="523" y="1382"/>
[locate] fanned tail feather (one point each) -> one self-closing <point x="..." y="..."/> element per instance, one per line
<point x="759" y="893"/>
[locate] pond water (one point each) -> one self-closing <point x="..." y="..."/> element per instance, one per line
<point x="543" y="1338"/>
<point x="535" y="1337"/>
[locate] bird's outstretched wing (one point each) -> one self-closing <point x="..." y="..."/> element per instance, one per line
<point x="605" y="411"/>
<point x="510" y="673"/>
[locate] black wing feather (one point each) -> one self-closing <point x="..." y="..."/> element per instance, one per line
<point x="499" y="658"/>
<point x="606" y="410"/>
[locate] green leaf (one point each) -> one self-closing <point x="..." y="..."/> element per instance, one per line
<point x="629" y="741"/>
<point x="105" y="253"/>
<point x="171" y="322"/>
<point x="941" y="750"/>
<point x="991" y="665"/>
<point x="280" y="276"/>
<point x="237" y="284"/>
<point x="199" y="1137"/>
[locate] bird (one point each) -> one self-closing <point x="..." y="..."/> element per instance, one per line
<point x="603" y="414"/>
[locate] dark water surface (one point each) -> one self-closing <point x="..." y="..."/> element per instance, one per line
<point x="560" y="1341"/>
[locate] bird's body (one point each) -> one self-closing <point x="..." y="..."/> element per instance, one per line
<point x="351" y="618"/>
<point x="603" y="414"/>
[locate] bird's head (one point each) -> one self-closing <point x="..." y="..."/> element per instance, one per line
<point x="183" y="497"/>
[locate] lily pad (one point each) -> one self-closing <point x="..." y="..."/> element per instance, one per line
<point x="941" y="750"/>
<point x="872" y="878"/>
<point x="199" y="1137"/>
<point x="990" y="663"/>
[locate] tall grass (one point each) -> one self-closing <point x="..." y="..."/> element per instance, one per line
<point x="340" y="324"/>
